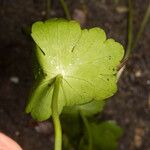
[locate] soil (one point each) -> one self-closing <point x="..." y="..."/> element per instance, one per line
<point x="130" y="107"/>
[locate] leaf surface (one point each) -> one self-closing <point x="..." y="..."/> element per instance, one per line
<point x="85" y="58"/>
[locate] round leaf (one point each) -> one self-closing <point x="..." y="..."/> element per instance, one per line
<point x="85" y="58"/>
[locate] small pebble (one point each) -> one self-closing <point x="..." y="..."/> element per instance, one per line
<point x="14" y="80"/>
<point x="80" y="16"/>
<point x="43" y="13"/>
<point x="44" y="127"/>
<point x="138" y="73"/>
<point x="148" y="82"/>
<point x="139" y="132"/>
<point x="121" y="9"/>
<point x="17" y="133"/>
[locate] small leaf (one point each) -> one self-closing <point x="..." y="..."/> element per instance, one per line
<point x="84" y="58"/>
<point x="105" y="136"/>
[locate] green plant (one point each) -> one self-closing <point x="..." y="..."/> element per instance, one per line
<point x="76" y="69"/>
<point x="86" y="132"/>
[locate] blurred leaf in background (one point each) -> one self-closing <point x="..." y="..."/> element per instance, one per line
<point x="105" y="136"/>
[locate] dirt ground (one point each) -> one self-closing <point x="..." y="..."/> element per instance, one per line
<point x="130" y="107"/>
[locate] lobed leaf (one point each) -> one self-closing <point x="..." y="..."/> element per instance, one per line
<point x="85" y="58"/>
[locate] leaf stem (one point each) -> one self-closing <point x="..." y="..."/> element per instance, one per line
<point x="143" y="24"/>
<point x="48" y="8"/>
<point x="131" y="44"/>
<point x="55" y="114"/>
<point x="86" y="123"/>
<point x="66" y="10"/>
<point x="130" y="29"/>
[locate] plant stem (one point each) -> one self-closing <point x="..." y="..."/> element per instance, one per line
<point x="143" y="24"/>
<point x="86" y="123"/>
<point x="131" y="44"/>
<point x="129" y="37"/>
<point x="55" y="114"/>
<point x="48" y="8"/>
<point x="66" y="10"/>
<point x="130" y="29"/>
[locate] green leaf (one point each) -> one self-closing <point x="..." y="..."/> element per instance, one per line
<point x="85" y="59"/>
<point x="88" y="109"/>
<point x="105" y="136"/>
<point x="74" y="131"/>
<point x="40" y="98"/>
